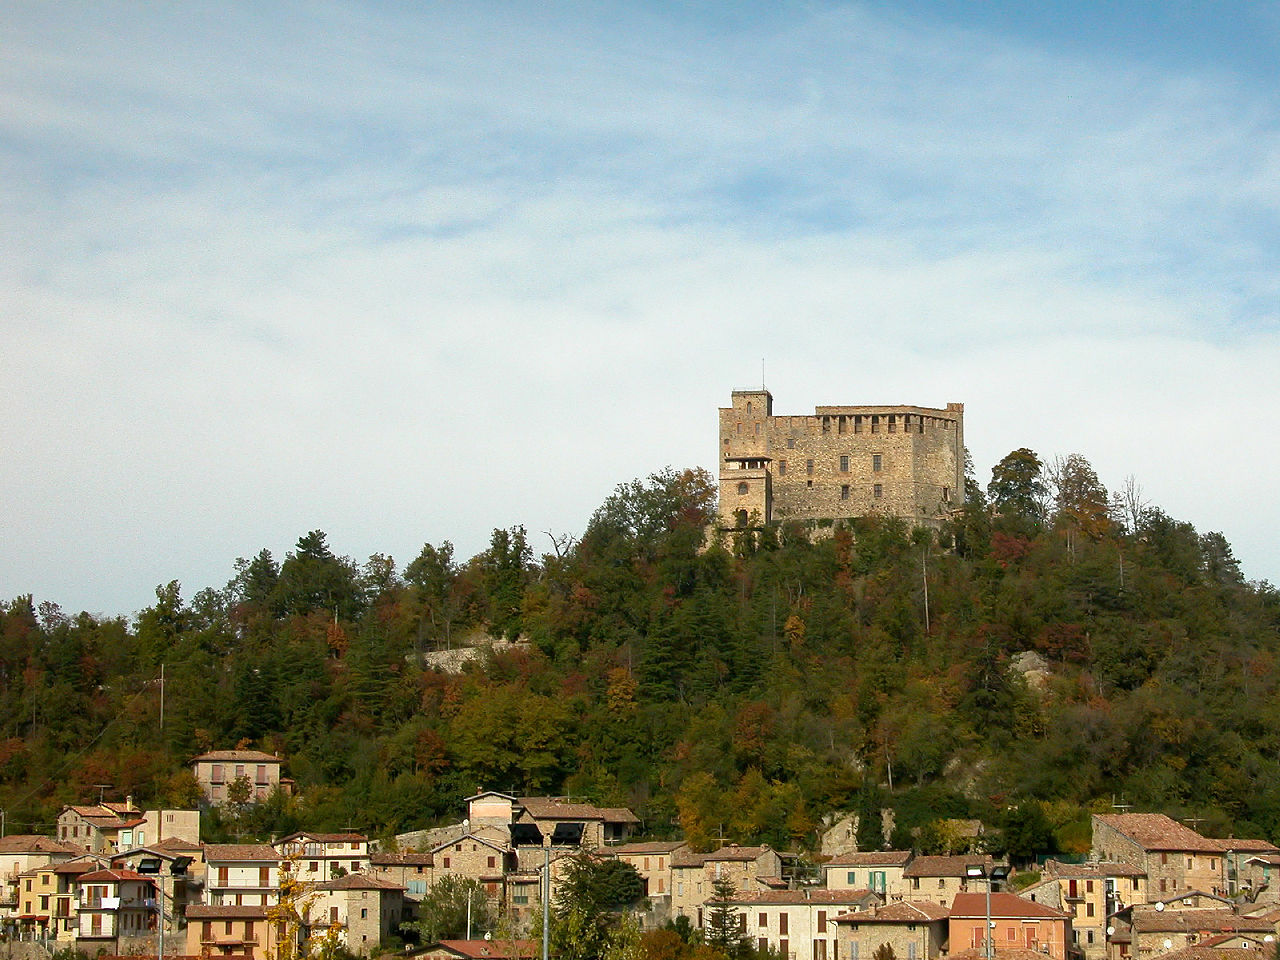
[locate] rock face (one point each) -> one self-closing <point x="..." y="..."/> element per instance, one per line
<point x="841" y="836"/>
<point x="453" y="661"/>
<point x="1033" y="668"/>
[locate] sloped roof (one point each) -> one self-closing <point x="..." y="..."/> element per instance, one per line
<point x="1242" y="845"/>
<point x="34" y="843"/>
<point x="1224" y="920"/>
<point x="323" y="837"/>
<point x="237" y="756"/>
<point x="871" y="858"/>
<point x="175" y="845"/>
<point x="855" y="898"/>
<point x="1094" y="869"/>
<point x="956" y="866"/>
<point x="902" y="911"/>
<point x="112" y="876"/>
<point x="1003" y="905"/>
<point x="652" y="846"/>
<point x="1155" y="831"/>
<point x="239" y="851"/>
<point x="1202" y="952"/>
<point x="553" y="808"/>
<point x="496" y="845"/>
<point x="359" y="881"/>
<point x="204" y="911"/>
<point x="410" y="858"/>
<point x="486" y="949"/>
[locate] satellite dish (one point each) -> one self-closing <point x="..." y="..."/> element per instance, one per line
<point x="1111" y="931"/>
<point x="1159" y="908"/>
<point x="1268" y="939"/>
<point x="1168" y="944"/>
<point x="488" y="936"/>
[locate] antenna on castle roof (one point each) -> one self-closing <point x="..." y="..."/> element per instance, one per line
<point x="762" y="386"/>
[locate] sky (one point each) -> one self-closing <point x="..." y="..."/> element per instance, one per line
<point x="406" y="273"/>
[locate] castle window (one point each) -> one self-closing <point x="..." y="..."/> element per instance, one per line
<point x="791" y="443"/>
<point x="742" y="489"/>
<point x="844" y="464"/>
<point x="741" y="517"/>
<point x="738" y="428"/>
<point x="875" y="423"/>
<point x="893" y="425"/>
<point x="857" y="424"/>
<point x="782" y="468"/>
<point x="748" y="408"/>
<point x="808" y="467"/>
<point x="810" y="483"/>
<point x="840" y="425"/>
<point x="826" y="424"/>
<point x="877" y="491"/>
<point x="921" y="426"/>
<point x="946" y="498"/>
<point x="757" y="428"/>
<point x="726" y="441"/>
<point x="844" y="491"/>
<point x="876" y="462"/>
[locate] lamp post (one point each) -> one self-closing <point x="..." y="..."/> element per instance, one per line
<point x="998" y="871"/>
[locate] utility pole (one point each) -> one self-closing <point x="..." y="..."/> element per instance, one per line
<point x="162" y="698"/>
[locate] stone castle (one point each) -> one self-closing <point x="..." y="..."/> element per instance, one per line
<point x="839" y="462"/>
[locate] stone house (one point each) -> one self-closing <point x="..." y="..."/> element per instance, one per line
<point x="1087" y="892"/>
<point x="1258" y="877"/>
<point x="477" y="856"/>
<point x="1236" y="854"/>
<point x="317" y="857"/>
<point x="1156" y="929"/>
<point x="114" y="906"/>
<point x="1173" y="857"/>
<point x="693" y="874"/>
<point x="915" y="930"/>
<point x="479" y="950"/>
<point x="217" y="770"/>
<point x="877" y="871"/>
<point x="368" y="910"/>
<point x="938" y="879"/>
<point x="230" y="930"/>
<point x="241" y="874"/>
<point x="653" y="862"/>
<point x="109" y="827"/>
<point x="1015" y="923"/>
<point x="600" y="825"/>
<point x="800" y="924"/>
<point x="176" y="868"/>
<point x="410" y="870"/>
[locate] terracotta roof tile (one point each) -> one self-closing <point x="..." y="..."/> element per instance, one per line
<point x="903" y="911"/>
<point x="971" y="905"/>
<point x="239" y="851"/>
<point x="240" y="756"/>
<point x="852" y="898"/>
<point x="1155" y="831"/>
<point x="956" y="866"/>
<point x="881" y="858"/>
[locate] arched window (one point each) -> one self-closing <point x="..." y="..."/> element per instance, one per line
<point x="742" y="489"/>
<point x="741" y="517"/>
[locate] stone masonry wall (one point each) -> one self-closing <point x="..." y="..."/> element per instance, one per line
<point x="840" y="462"/>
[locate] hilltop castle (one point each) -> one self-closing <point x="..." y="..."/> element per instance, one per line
<point x="841" y="462"/>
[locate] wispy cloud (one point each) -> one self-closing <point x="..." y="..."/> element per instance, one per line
<point x="409" y="275"/>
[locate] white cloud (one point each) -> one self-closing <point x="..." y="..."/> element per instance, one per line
<point x="411" y="279"/>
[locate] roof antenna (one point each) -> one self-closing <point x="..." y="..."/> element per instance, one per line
<point x="762" y="373"/>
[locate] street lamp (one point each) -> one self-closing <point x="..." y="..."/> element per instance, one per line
<point x="997" y="872"/>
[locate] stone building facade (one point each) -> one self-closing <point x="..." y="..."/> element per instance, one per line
<point x="840" y="462"/>
<point x="1174" y="858"/>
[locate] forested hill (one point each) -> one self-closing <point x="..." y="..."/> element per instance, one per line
<point x="746" y="690"/>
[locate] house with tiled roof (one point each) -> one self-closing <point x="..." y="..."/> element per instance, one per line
<point x="114" y="908"/>
<point x="1015" y="923"/>
<point x="1090" y="892"/>
<point x="652" y="860"/>
<point x="938" y="878"/>
<point x="366" y="909"/>
<point x="1237" y="852"/>
<point x="799" y="924"/>
<point x="46" y="905"/>
<point x="242" y="931"/>
<point x="1174" y="857"/>
<point x="914" y="929"/>
<point x="258" y="772"/>
<point x="109" y="827"/>
<point x="495" y="949"/>
<point x="1156" y="929"/>
<point x="692" y="874"/>
<point x="410" y="869"/>
<point x="601" y="825"/>
<point x="875" y="870"/>
<point x="21" y="853"/>
<point x="241" y="874"/>
<point x="317" y="857"/>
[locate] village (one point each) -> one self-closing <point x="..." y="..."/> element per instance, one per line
<point x="1149" y="887"/>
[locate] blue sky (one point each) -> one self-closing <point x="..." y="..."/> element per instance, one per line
<point x="409" y="272"/>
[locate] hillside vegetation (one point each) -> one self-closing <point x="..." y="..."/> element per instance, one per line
<point x="744" y="690"/>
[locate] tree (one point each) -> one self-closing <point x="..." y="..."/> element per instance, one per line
<point x="600" y="886"/>
<point x="724" y="923"/>
<point x="312" y="578"/>
<point x="504" y="570"/>
<point x="442" y="915"/>
<point x="1079" y="498"/>
<point x="1017" y="489"/>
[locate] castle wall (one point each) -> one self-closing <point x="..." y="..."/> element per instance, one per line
<point x="840" y="462"/>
